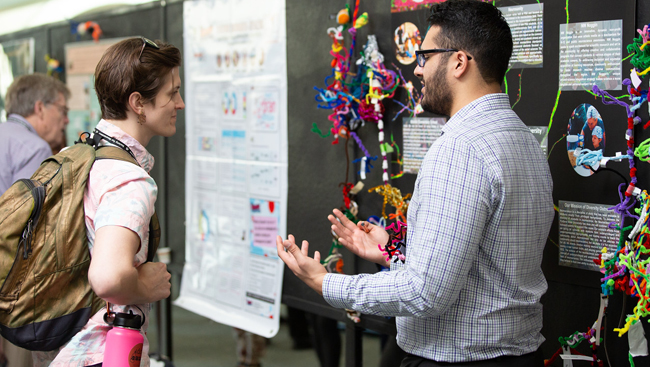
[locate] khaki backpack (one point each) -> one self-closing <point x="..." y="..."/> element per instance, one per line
<point x="45" y="297"/>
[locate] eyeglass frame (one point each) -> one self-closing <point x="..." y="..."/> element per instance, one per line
<point x="419" y="54"/>
<point x="63" y="109"/>
<point x="146" y="41"/>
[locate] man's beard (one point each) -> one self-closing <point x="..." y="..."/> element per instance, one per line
<point x="437" y="99"/>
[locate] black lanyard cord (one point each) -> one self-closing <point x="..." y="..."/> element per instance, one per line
<point x="115" y="142"/>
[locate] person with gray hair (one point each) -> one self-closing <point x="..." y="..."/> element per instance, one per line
<point x="37" y="114"/>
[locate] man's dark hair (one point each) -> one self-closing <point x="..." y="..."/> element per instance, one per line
<point x="477" y="28"/>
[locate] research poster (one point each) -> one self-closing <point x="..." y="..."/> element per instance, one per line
<point x="236" y="165"/>
<point x="419" y="133"/>
<point x="590" y="54"/>
<point x="584" y="231"/>
<point x="527" y="27"/>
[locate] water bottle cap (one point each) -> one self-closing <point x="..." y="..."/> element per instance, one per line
<point x="128" y="320"/>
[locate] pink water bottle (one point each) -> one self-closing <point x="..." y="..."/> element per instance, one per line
<point x="124" y="342"/>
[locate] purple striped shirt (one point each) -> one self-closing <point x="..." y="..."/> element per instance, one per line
<point x="481" y="211"/>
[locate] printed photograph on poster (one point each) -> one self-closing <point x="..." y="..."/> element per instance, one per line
<point x="586" y="130"/>
<point x="527" y="27"/>
<point x="419" y="133"/>
<point x="584" y="232"/>
<point x="265" y="222"/>
<point x="407" y="40"/>
<point x="542" y="137"/>
<point x="397" y="6"/>
<point x="266" y="110"/>
<point x="590" y="54"/>
<point x="264" y="180"/>
<point x="205" y="142"/>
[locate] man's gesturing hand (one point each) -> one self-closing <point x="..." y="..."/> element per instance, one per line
<point x="297" y="259"/>
<point x="361" y="238"/>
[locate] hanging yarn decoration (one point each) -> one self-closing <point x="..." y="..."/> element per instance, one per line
<point x="412" y="97"/>
<point x="395" y="248"/>
<point x="89" y="27"/>
<point x="595" y="158"/>
<point x="393" y="196"/>
<point x="625" y="267"/>
<point x="641" y="58"/>
<point x="53" y="65"/>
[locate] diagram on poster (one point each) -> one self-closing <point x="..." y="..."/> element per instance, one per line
<point x="266" y="110"/>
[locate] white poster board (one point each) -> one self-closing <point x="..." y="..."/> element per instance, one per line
<point x="237" y="154"/>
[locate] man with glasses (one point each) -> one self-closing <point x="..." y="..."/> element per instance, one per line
<point x="469" y="289"/>
<point x="37" y="114"/>
<point x="36" y="119"/>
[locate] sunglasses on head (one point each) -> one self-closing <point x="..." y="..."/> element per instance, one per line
<point x="147" y="42"/>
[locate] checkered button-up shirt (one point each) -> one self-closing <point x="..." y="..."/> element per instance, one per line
<point x="481" y="211"/>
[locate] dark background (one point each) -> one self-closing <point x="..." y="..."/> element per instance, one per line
<point x="316" y="167"/>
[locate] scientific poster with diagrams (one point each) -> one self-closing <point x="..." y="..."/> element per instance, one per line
<point x="237" y="154"/>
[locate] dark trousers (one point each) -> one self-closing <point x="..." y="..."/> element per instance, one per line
<point x="527" y="360"/>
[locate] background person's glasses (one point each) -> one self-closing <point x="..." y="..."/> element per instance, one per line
<point x="147" y="42"/>
<point x="421" y="60"/>
<point x="63" y="109"/>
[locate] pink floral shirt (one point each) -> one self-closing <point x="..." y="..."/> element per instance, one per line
<point x="118" y="194"/>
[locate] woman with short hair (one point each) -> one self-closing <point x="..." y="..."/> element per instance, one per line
<point x="138" y="86"/>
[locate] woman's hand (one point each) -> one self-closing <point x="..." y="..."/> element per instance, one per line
<point x="361" y="239"/>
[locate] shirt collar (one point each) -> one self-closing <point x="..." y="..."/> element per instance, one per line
<point x="144" y="158"/>
<point x="22" y="121"/>
<point x="489" y="102"/>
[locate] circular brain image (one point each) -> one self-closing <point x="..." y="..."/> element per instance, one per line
<point x="407" y="41"/>
<point x="585" y="139"/>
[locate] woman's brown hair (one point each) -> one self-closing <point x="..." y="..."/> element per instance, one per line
<point x="132" y="65"/>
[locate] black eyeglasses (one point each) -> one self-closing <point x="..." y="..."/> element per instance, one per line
<point x="419" y="55"/>
<point x="147" y="42"/>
